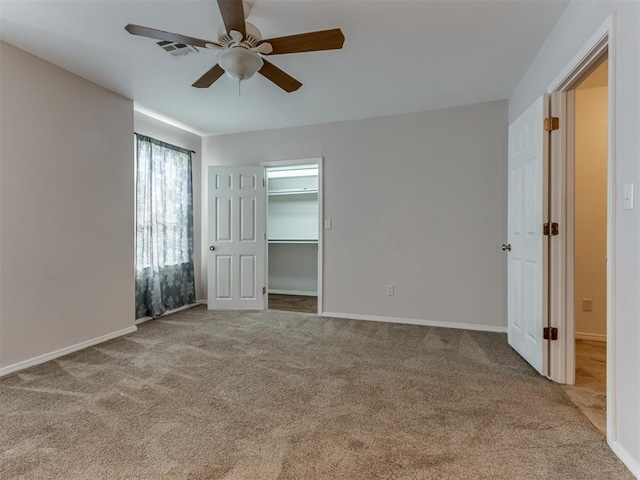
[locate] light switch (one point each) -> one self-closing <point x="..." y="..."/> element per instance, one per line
<point x="628" y="200"/>
<point x="327" y="224"/>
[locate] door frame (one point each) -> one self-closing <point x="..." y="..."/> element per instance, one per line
<point x="562" y="353"/>
<point x="292" y="163"/>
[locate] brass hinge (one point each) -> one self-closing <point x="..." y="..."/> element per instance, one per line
<point x="264" y="290"/>
<point x="550" y="229"/>
<point x="551" y="123"/>
<point x="549" y="333"/>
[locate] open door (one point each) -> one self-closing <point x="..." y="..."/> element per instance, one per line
<point x="527" y="246"/>
<point x="237" y="231"/>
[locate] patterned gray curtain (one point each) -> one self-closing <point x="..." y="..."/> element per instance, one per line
<point x="164" y="228"/>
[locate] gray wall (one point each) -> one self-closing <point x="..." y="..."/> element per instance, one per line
<point x="66" y="209"/>
<point x="151" y="127"/>
<point x="416" y="200"/>
<point x="574" y="28"/>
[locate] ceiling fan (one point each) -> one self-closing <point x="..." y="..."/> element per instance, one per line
<point x="241" y="47"/>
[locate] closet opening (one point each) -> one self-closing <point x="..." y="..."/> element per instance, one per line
<point x="293" y="237"/>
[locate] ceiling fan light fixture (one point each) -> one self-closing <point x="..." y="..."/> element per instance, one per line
<point x="240" y="63"/>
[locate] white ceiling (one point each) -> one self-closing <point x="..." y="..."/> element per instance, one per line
<point x="399" y="55"/>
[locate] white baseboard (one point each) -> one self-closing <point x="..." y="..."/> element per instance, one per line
<point x="596" y="337"/>
<point x="175" y="310"/>
<point x="415" y="321"/>
<point x="64" y="351"/>
<point x="631" y="463"/>
<point x="294" y="292"/>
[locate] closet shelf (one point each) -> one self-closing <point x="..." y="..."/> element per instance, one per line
<point x="293" y="192"/>
<point x="311" y="242"/>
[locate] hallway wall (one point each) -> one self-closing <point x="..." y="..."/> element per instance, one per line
<point x="590" y="280"/>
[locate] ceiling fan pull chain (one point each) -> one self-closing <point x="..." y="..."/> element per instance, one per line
<point x="239" y="82"/>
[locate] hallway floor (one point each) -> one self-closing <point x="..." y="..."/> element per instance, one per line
<point x="590" y="391"/>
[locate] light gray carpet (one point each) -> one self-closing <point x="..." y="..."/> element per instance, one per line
<point x="268" y="395"/>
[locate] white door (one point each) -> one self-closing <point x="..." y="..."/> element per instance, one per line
<point x="237" y="230"/>
<point x="527" y="212"/>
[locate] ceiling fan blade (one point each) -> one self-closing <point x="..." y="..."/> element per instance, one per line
<point x="307" y="42"/>
<point x="233" y="16"/>
<point x="206" y="80"/>
<point x="167" y="36"/>
<point x="280" y="78"/>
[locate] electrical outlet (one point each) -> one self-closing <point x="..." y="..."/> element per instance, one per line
<point x="587" y="304"/>
<point x="391" y="290"/>
<point x="327" y="224"/>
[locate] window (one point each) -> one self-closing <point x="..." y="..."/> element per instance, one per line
<point x="164" y="227"/>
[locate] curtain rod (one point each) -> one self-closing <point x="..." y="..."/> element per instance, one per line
<point x="192" y="151"/>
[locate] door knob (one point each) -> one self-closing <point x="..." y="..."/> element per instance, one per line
<point x="212" y="248"/>
<point x="506" y="246"/>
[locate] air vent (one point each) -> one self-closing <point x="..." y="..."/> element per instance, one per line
<point x="177" y="49"/>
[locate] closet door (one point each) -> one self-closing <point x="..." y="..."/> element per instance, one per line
<point x="236" y="233"/>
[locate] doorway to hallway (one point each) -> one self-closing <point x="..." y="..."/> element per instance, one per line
<point x="589" y="103"/>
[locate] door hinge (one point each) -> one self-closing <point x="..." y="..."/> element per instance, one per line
<point x="264" y="182"/>
<point x="264" y="290"/>
<point x="551" y="123"/>
<point x="550" y="229"/>
<point x="549" y="333"/>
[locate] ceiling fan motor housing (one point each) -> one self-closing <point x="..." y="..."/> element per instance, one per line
<point x="251" y="39"/>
